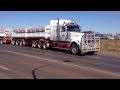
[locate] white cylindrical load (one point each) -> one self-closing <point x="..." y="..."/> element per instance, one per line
<point x="36" y="31"/>
<point x="30" y="32"/>
<point x="19" y="32"/>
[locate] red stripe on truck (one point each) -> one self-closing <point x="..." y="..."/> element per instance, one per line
<point x="61" y="45"/>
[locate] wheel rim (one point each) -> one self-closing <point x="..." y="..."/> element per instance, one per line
<point x="33" y="45"/>
<point x="44" y="46"/>
<point x="13" y="42"/>
<point x="1" y="42"/>
<point x="74" y="50"/>
<point x="24" y="43"/>
<point x="16" y="42"/>
<point x="39" y="45"/>
<point x="20" y="43"/>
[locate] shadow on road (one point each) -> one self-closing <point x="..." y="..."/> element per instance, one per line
<point x="92" y="53"/>
<point x="33" y="71"/>
<point x="63" y="51"/>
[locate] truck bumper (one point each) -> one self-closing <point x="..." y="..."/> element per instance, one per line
<point x="86" y="48"/>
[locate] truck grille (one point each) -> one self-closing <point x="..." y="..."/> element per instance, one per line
<point x="90" y="43"/>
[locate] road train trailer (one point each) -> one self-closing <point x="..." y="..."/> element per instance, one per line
<point x="60" y="34"/>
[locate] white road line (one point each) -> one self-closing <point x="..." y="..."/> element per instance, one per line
<point x="69" y="64"/>
<point x="4" y="68"/>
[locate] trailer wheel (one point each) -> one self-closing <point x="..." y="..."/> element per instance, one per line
<point x="74" y="49"/>
<point x="44" y="45"/>
<point x="21" y="43"/>
<point x="13" y="42"/>
<point x="34" y="44"/>
<point x="1" y="41"/>
<point x="40" y="44"/>
<point x="17" y="42"/>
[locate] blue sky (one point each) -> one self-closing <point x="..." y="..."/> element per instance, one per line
<point x="98" y="21"/>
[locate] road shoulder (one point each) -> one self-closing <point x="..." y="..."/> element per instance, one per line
<point x="113" y="54"/>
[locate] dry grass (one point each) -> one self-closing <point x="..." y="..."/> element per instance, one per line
<point x="110" y="45"/>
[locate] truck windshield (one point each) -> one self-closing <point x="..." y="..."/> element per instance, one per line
<point x="73" y="28"/>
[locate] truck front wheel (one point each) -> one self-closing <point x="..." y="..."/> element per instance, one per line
<point x="74" y="49"/>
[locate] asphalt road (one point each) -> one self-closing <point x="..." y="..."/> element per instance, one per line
<point x="25" y="62"/>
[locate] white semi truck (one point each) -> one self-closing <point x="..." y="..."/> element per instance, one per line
<point x="61" y="34"/>
<point x="5" y="36"/>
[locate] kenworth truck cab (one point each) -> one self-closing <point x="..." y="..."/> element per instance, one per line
<point x="68" y="35"/>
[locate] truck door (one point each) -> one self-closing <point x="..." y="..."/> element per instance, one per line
<point x="63" y="34"/>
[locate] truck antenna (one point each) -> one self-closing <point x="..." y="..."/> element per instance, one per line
<point x="75" y="22"/>
<point x="58" y="29"/>
<point x="73" y="19"/>
<point x="58" y="20"/>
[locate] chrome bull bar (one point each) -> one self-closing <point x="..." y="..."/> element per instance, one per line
<point x="90" y="43"/>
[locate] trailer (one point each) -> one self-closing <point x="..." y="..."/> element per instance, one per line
<point x="5" y="36"/>
<point x="61" y="34"/>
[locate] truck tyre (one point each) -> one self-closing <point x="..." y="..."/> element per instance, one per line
<point x="44" y="45"/>
<point x="17" y="42"/>
<point x="24" y="42"/>
<point x="74" y="49"/>
<point x="13" y="42"/>
<point x="1" y="41"/>
<point x="34" y="44"/>
<point x="21" y="43"/>
<point x="40" y="44"/>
